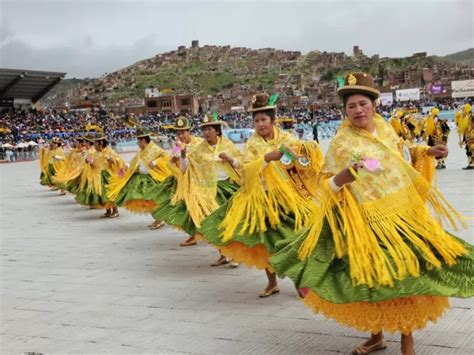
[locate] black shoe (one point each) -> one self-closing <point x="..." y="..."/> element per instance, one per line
<point x="469" y="167"/>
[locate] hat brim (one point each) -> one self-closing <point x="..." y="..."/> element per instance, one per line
<point x="144" y="135"/>
<point x="100" y="139"/>
<point x="181" y="128"/>
<point x="357" y="89"/>
<point x="264" y="108"/>
<point x="212" y="123"/>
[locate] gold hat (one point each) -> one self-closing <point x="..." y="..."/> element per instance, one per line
<point x="211" y="120"/>
<point x="142" y="132"/>
<point x="100" y="136"/>
<point x="89" y="137"/>
<point x="358" y="83"/>
<point x="57" y="140"/>
<point x="181" y="124"/>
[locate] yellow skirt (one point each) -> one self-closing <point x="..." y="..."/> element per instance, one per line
<point x="256" y="256"/>
<point x="140" y="206"/>
<point x="403" y="315"/>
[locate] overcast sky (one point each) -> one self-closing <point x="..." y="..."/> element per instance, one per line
<point x="89" y="38"/>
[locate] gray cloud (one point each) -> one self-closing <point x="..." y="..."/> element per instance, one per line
<point x="80" y="59"/>
<point x="89" y="38"/>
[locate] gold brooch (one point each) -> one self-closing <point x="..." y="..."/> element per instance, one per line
<point x="205" y="119"/>
<point x="180" y="123"/>
<point x="351" y="79"/>
<point x="254" y="99"/>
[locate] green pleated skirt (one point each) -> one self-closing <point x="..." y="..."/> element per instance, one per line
<point x="46" y="177"/>
<point x="87" y="197"/>
<point x="252" y="249"/>
<point x="324" y="282"/>
<point x="329" y="276"/>
<point x="177" y="215"/>
<point x="73" y="186"/>
<point x="136" y="196"/>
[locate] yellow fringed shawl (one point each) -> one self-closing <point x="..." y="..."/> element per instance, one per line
<point x="50" y="154"/>
<point x="430" y="125"/>
<point x="198" y="185"/>
<point x="87" y="171"/>
<point x="174" y="167"/>
<point x="110" y="160"/>
<point x="71" y="169"/>
<point x="392" y="210"/>
<point x="463" y="126"/>
<point x="43" y="159"/>
<point x="178" y="174"/>
<point x="92" y="172"/>
<point x="397" y="125"/>
<point x="151" y="153"/>
<point x="270" y="190"/>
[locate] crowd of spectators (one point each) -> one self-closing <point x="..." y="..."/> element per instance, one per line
<point x="22" y="131"/>
<point x="39" y="126"/>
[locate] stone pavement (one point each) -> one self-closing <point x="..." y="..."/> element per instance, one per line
<point x="71" y="282"/>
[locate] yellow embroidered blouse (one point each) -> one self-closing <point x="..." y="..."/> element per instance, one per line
<point x="198" y="188"/>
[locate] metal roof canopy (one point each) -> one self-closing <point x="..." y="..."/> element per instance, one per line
<point x="27" y="84"/>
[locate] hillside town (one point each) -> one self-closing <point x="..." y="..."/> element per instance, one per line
<point x="223" y="78"/>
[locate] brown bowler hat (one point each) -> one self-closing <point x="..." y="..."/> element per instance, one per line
<point x="263" y="102"/>
<point x="358" y="83"/>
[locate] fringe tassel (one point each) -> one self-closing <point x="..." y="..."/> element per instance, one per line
<point x="91" y="180"/>
<point x="363" y="231"/>
<point x="179" y="195"/>
<point x="200" y="202"/>
<point x="423" y="163"/>
<point x="66" y="175"/>
<point x="252" y="205"/>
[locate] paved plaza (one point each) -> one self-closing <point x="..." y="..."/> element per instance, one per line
<point x="74" y="283"/>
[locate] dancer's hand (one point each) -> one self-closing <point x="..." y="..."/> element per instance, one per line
<point x="438" y="151"/>
<point x="273" y="156"/>
<point x="226" y="158"/>
<point x="174" y="159"/>
<point x="345" y="176"/>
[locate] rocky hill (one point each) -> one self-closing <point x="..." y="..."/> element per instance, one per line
<point x="463" y="57"/>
